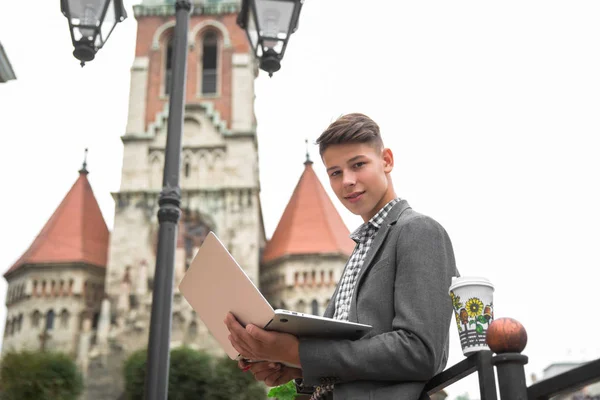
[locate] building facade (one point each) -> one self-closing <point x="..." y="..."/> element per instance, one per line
<point x="55" y="289"/>
<point x="107" y="298"/>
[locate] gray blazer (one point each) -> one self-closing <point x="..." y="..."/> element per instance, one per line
<point x="402" y="291"/>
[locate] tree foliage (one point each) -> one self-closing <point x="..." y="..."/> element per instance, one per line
<point x="194" y="375"/>
<point x="229" y="382"/>
<point x="39" y="376"/>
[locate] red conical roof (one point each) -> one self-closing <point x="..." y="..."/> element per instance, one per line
<point x="310" y="223"/>
<point x="76" y="232"/>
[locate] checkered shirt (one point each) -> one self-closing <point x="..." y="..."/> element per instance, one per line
<point x="363" y="236"/>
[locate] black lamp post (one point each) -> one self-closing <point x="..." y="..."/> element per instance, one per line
<point x="269" y="25"/>
<point x="91" y="23"/>
<point x="159" y="342"/>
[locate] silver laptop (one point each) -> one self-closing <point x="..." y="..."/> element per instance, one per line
<point x="215" y="285"/>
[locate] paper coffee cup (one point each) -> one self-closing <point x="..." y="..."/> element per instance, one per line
<point x="472" y="301"/>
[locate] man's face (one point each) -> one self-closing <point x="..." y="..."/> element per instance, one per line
<point x="358" y="176"/>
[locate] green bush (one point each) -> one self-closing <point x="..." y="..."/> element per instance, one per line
<point x="194" y="375"/>
<point x="190" y="373"/>
<point x="229" y="382"/>
<point x="39" y="376"/>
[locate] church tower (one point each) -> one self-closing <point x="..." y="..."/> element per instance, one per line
<point x="304" y="259"/>
<point x="56" y="287"/>
<point x="219" y="173"/>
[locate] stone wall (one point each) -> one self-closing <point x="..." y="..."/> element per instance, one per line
<point x="70" y="293"/>
<point x="295" y="282"/>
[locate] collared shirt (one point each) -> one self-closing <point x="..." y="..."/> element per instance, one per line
<point x="363" y="236"/>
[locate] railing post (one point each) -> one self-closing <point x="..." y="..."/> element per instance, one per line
<point x="485" y="371"/>
<point x="507" y="338"/>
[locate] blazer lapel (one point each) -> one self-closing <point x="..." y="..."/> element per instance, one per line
<point x="389" y="221"/>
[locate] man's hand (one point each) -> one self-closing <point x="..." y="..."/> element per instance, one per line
<point x="272" y="374"/>
<point x="254" y="343"/>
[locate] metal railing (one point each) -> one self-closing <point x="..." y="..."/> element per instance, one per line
<point x="508" y="363"/>
<point x="479" y="362"/>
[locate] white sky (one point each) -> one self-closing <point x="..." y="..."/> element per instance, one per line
<point x="491" y="109"/>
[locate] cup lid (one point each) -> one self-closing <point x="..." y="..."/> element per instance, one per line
<point x="469" y="280"/>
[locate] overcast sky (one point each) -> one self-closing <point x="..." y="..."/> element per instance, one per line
<point x="491" y="109"/>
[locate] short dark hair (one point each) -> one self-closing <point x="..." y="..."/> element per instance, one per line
<point x="351" y="128"/>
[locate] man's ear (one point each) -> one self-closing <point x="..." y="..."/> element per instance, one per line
<point x="388" y="160"/>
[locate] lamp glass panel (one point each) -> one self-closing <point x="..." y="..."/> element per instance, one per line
<point x="275" y="45"/>
<point x="77" y="35"/>
<point x="251" y="28"/>
<point x="110" y="20"/>
<point x="86" y="12"/>
<point x="274" y="18"/>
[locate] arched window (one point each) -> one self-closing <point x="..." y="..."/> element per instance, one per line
<point x="20" y="323"/>
<point x="71" y="282"/>
<point x="315" y="307"/>
<point x="35" y="288"/>
<point x="43" y="288"/>
<point x="193" y="329"/>
<point x="210" y="56"/>
<point x="178" y="321"/>
<point x="187" y="169"/>
<point x="61" y="288"/>
<point x="64" y="319"/>
<point x="301" y="306"/>
<point x="95" y="320"/>
<point x="168" y="65"/>
<point x="53" y="289"/>
<point x="86" y="292"/>
<point x="50" y="320"/>
<point x="35" y="318"/>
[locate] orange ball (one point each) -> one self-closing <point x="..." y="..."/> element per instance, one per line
<point x="506" y="335"/>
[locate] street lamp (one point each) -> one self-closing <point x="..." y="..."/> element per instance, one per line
<point x="91" y="23"/>
<point x="269" y="25"/>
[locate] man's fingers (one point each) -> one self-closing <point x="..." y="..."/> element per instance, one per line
<point x="263" y="371"/>
<point x="234" y="326"/>
<point x="273" y="378"/>
<point x="282" y="379"/>
<point x="259" y="334"/>
<point x="239" y="338"/>
<point x="263" y="366"/>
<point x="240" y="348"/>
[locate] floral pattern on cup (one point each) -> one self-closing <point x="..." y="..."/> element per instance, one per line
<point x="472" y="319"/>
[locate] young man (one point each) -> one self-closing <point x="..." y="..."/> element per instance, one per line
<point x="396" y="280"/>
